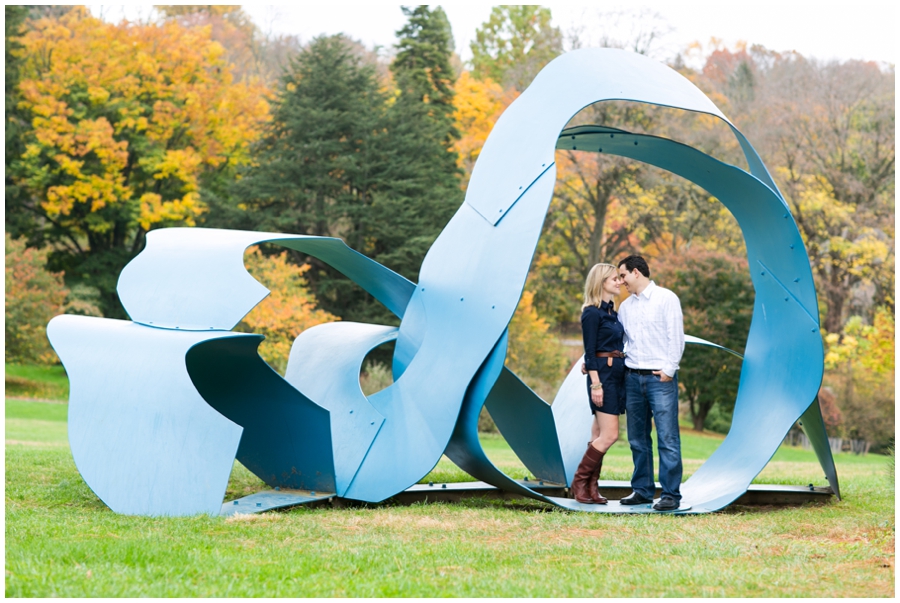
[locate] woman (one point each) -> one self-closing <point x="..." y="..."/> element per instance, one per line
<point x="605" y="364"/>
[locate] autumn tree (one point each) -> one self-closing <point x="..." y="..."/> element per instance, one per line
<point x="534" y="353"/>
<point x="16" y="121"/>
<point x="251" y="53"/>
<point x="716" y="296"/>
<point x="837" y="170"/>
<point x="860" y="370"/>
<point x="34" y="295"/>
<point x="478" y="104"/>
<point x="514" y="44"/>
<point x="129" y="122"/>
<point x="288" y="310"/>
<point x="827" y="129"/>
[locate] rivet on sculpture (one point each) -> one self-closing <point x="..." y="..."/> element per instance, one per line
<point x="162" y="405"/>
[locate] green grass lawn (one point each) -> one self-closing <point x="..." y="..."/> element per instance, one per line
<point x="39" y="382"/>
<point x="62" y="541"/>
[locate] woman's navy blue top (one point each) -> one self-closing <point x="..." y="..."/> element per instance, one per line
<point x="602" y="332"/>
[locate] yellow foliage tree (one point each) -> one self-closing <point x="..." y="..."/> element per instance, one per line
<point x="288" y="310"/>
<point x="872" y="346"/>
<point x="129" y="123"/>
<point x="534" y="353"/>
<point x="477" y="106"/>
<point x="859" y="367"/>
<point x="845" y="248"/>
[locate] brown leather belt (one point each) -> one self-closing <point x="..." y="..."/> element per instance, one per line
<point x="613" y="354"/>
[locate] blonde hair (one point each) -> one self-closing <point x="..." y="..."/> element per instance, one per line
<point x="593" y="285"/>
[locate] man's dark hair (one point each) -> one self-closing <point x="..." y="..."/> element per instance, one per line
<point x="636" y="261"/>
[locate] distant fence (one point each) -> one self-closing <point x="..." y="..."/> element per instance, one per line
<point x="798" y="438"/>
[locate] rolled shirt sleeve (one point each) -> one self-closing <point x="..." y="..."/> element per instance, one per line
<point x="623" y="318"/>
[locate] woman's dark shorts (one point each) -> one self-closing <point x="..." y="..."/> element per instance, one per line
<point x="613" y="380"/>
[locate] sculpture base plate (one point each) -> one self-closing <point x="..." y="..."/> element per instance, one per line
<point x="272" y="499"/>
<point x="757" y="494"/>
<point x="613" y="506"/>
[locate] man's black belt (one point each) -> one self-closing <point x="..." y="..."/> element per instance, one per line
<point x="641" y="371"/>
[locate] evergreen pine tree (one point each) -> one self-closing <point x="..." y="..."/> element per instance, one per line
<point x="421" y="190"/>
<point x="320" y="162"/>
<point x="344" y="159"/>
<point x="422" y="64"/>
<point x="314" y="165"/>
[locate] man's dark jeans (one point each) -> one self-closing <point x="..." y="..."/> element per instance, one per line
<point x="646" y="397"/>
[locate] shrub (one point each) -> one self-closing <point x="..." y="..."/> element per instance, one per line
<point x="375" y="377"/>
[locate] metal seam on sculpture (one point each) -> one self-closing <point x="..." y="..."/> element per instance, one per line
<point x="505" y="210"/>
<point x="548" y="166"/>
<point x="815" y="319"/>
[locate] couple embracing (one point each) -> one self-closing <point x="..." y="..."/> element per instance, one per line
<point x="649" y="328"/>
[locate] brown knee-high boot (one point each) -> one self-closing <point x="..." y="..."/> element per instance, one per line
<point x="592" y="484"/>
<point x="582" y="488"/>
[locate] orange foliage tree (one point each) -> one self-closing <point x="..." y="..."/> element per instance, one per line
<point x="129" y="123"/>
<point x="288" y="310"/>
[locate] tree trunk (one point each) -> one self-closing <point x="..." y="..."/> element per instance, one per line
<point x="698" y="419"/>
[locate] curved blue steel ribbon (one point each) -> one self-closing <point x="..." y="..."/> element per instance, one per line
<point x="783" y="362"/>
<point x="452" y="338"/>
<point x="698" y="341"/>
<point x="325" y="364"/>
<point x="521" y="144"/>
<point x="142" y="438"/>
<point x="286" y="440"/>
<point x="783" y="368"/>
<point x="189" y="280"/>
<point x="194" y="278"/>
<point x="463" y="320"/>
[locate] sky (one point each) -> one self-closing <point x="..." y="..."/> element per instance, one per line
<point x="863" y="29"/>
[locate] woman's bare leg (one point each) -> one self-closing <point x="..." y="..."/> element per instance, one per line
<point x="608" y="428"/>
<point x="595" y="426"/>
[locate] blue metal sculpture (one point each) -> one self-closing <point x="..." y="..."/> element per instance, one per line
<point x="160" y="407"/>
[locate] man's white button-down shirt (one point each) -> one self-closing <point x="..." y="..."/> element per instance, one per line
<point x="654" y="330"/>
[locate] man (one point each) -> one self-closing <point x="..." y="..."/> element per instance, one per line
<point x="654" y="342"/>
